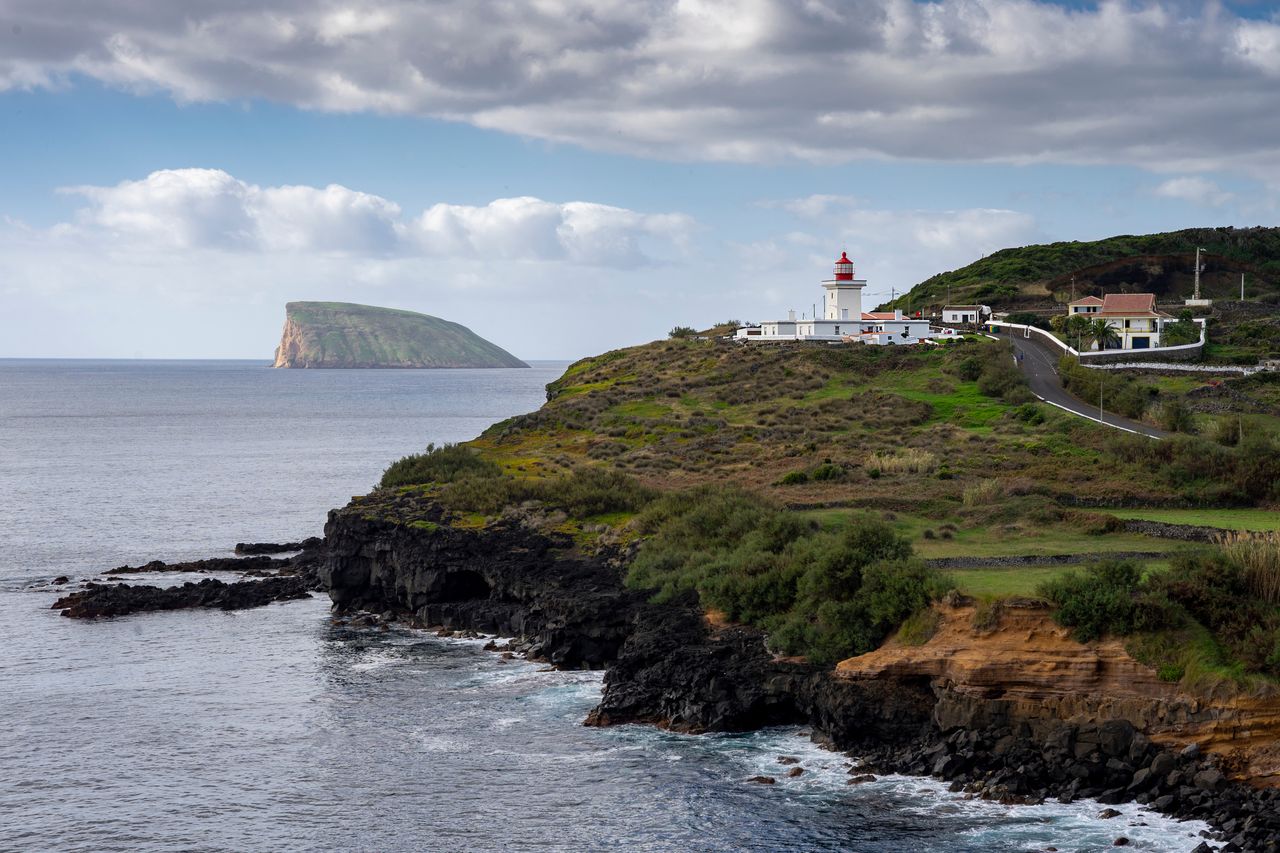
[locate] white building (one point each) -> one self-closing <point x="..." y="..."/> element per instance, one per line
<point x="959" y="314"/>
<point x="843" y="319"/>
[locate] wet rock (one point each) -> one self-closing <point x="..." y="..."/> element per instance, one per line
<point x="277" y="547"/>
<point x="861" y="780"/>
<point x="99" y="600"/>
<point x="787" y="759"/>
<point x="763" y="780"/>
<point x="1108" y="814"/>
<point x="1120" y="842"/>
<point x="61" y="580"/>
<point x="795" y="772"/>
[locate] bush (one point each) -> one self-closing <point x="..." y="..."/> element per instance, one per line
<point x="1098" y="602"/>
<point x="582" y="493"/>
<point x="443" y="464"/>
<point x="794" y="478"/>
<point x="983" y="492"/>
<point x="823" y="594"/>
<point x="1176" y="417"/>
<point x="682" y="332"/>
<point x="1258" y="554"/>
<point x="906" y="460"/>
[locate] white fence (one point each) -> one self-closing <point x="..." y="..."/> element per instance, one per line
<point x="1092" y="355"/>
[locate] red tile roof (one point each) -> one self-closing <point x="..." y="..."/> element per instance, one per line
<point x="1088" y="300"/>
<point x="1129" y="305"/>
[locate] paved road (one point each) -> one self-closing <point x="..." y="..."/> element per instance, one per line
<point x="1039" y="363"/>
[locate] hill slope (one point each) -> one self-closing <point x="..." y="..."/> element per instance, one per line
<point x="1164" y="264"/>
<point x="343" y="334"/>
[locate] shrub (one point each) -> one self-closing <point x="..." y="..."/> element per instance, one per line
<point x="1098" y="602"/>
<point x="983" y="492"/>
<point x="919" y="627"/>
<point x="827" y="472"/>
<point x="443" y="464"/>
<point x="819" y="593"/>
<point x="582" y="493"/>
<point x="1176" y="417"/>
<point x="1258" y="554"/>
<point x="682" y="332"/>
<point x="905" y="460"/>
<point x="794" y="478"/>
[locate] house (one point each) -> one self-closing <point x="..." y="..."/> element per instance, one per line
<point x="959" y="314"/>
<point x="1088" y="305"/>
<point x="843" y="319"/>
<point x="1132" y="316"/>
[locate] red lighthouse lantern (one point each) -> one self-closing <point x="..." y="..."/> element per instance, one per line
<point x="844" y="268"/>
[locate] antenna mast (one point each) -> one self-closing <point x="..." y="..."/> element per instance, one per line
<point x="1197" y="296"/>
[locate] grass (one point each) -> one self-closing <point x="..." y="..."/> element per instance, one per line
<point x="1002" y="581"/>
<point x="1227" y="519"/>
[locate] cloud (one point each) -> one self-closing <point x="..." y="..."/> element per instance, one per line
<point x="188" y="209"/>
<point x="1176" y="87"/>
<point x="1194" y="189"/>
<point x="892" y="249"/>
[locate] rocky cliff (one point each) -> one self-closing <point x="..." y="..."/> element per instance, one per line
<point x="340" y="334"/>
<point x="1017" y="711"/>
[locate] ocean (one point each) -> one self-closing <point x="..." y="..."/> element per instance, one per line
<point x="274" y="729"/>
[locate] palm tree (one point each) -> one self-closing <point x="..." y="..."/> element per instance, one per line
<point x="1101" y="333"/>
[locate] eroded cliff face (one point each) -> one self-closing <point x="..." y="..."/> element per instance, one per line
<point x="1020" y="713"/>
<point x="505" y="580"/>
<point x="289" y="353"/>
<point x="1028" y="669"/>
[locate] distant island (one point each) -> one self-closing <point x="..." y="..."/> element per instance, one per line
<point x="343" y="334"/>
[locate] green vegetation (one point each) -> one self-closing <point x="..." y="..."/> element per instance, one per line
<point x="826" y="595"/>
<point x="1203" y="620"/>
<point x="682" y="332"/>
<point x="341" y="334"/>
<point x="1159" y="263"/>
<point x="443" y="464"/>
<point x="1204" y="472"/>
<point x="1226" y="519"/>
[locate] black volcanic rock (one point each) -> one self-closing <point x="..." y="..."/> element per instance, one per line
<point x="98" y="600"/>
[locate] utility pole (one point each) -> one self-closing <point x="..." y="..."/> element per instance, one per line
<point x="1073" y="288"/>
<point x="1242" y="287"/>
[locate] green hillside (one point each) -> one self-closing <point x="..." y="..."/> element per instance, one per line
<point x="1041" y="276"/>
<point x="343" y="334"/>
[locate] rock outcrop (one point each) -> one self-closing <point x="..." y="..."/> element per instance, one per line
<point x="98" y="600"/>
<point x="1018" y="713"/>
<point x="341" y="334"/>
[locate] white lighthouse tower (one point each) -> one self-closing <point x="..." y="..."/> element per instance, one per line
<point x="843" y="299"/>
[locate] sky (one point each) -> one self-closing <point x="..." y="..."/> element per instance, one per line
<point x="570" y="176"/>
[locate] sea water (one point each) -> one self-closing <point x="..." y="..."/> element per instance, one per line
<point x="274" y="729"/>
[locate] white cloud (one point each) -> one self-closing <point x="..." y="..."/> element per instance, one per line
<point x="1194" y="189"/>
<point x="893" y="249"/>
<point x="1178" y="87"/>
<point x="210" y="209"/>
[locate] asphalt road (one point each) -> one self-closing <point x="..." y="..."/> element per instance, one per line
<point x="1039" y="363"/>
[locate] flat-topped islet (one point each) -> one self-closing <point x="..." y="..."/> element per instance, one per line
<point x="343" y="334"/>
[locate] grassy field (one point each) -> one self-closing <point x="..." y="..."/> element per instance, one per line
<point x="1228" y="519"/>
<point x="952" y="539"/>
<point x="1003" y="581"/>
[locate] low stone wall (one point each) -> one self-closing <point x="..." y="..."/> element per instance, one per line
<point x="1039" y="559"/>
<point x="1183" y="532"/>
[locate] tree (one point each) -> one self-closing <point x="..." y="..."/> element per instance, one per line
<point x="682" y="332"/>
<point x="1099" y="331"/>
<point x="1076" y="327"/>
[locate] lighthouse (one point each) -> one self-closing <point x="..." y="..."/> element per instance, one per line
<point x="843" y="298"/>
<point x="842" y="319"/>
